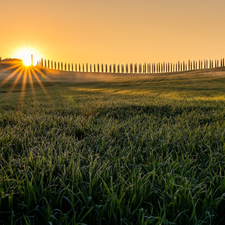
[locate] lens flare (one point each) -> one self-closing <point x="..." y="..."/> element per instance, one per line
<point x="25" y="55"/>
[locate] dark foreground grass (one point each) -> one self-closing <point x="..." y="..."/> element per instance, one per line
<point x="128" y="151"/>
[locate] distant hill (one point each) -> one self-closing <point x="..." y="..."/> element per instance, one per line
<point x="9" y="60"/>
<point x="7" y="63"/>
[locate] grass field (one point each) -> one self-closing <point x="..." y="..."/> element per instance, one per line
<point x="118" y="150"/>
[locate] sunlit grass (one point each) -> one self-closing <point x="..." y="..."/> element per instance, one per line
<point x="126" y="151"/>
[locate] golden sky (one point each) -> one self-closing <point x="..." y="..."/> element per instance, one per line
<point x="114" y="31"/>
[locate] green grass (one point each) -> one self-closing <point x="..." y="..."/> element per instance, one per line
<point x="131" y="150"/>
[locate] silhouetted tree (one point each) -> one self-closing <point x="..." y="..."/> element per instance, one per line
<point x="131" y="68"/>
<point x="143" y="68"/>
<point x="102" y="68"/>
<point x="118" y="68"/>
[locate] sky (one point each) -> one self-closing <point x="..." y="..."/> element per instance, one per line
<point x="114" y="31"/>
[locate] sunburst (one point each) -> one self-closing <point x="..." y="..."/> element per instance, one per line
<point x="24" y="74"/>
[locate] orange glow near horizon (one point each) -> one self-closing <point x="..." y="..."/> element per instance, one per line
<point x="25" y="55"/>
<point x="118" y="31"/>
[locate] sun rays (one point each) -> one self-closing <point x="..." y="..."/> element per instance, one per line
<point x="20" y="78"/>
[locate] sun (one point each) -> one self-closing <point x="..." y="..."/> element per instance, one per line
<point x="25" y="55"/>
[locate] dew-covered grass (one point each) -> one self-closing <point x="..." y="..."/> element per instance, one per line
<point x="126" y="151"/>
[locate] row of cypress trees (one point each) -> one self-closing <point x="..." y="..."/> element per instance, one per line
<point x="133" y="68"/>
